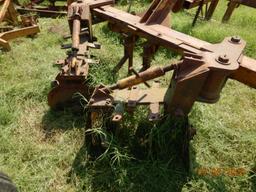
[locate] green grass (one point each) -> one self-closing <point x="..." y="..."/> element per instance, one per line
<point x="43" y="150"/>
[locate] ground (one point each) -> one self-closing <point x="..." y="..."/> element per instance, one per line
<point x="43" y="150"/>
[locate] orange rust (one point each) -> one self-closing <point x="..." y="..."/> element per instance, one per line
<point x="246" y="73"/>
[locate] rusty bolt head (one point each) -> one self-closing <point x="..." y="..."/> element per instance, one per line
<point x="235" y="39"/>
<point x="223" y="59"/>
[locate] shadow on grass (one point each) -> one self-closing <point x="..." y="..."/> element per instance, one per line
<point x="253" y="179"/>
<point x="64" y="120"/>
<point x="150" y="160"/>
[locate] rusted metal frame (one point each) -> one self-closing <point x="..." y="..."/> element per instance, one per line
<point x="189" y="4"/>
<point x="70" y="80"/>
<point x="199" y="9"/>
<point x="5" y="44"/>
<point x="200" y="3"/>
<point x="154" y="107"/>
<point x="200" y="77"/>
<point x="64" y="88"/>
<point x="95" y="142"/>
<point x="129" y="42"/>
<point x="164" y="36"/>
<point x="158" y="11"/>
<point x="126" y="23"/>
<point x="246" y="72"/>
<point x="154" y="96"/>
<point x="4" y="9"/>
<point x="250" y="3"/>
<point x="206" y="48"/>
<point x="132" y="98"/>
<point x="9" y="35"/>
<point x="43" y="12"/>
<point x="129" y="51"/>
<point x="25" y="31"/>
<point x="53" y="10"/>
<point x="231" y="7"/>
<point x="74" y="69"/>
<point x="157" y="33"/>
<point x="79" y="16"/>
<point x="234" y="4"/>
<point x="149" y="49"/>
<point x="8" y="12"/>
<point x="127" y="100"/>
<point x="211" y="9"/>
<point x="12" y="14"/>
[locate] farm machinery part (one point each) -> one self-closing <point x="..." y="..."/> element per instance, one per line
<point x="209" y="10"/>
<point x="52" y="10"/>
<point x="74" y="69"/>
<point x="200" y="75"/>
<point x="234" y="4"/>
<point x="210" y="6"/>
<point x="9" y="21"/>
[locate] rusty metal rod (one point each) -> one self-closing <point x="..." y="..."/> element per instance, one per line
<point x="142" y="77"/>
<point x="76" y="32"/>
<point x="4" y="9"/>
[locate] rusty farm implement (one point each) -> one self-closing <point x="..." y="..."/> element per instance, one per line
<point x="199" y="76"/>
<point x="13" y="26"/>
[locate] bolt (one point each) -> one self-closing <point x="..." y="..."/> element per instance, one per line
<point x="223" y="59"/>
<point x="108" y="101"/>
<point x="235" y="39"/>
<point x="92" y="101"/>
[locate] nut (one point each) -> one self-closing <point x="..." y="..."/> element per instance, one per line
<point x="235" y="39"/>
<point x="223" y="59"/>
<point x="108" y="101"/>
